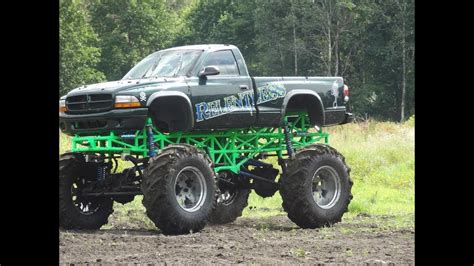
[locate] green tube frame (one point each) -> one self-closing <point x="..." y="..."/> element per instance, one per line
<point x="228" y="149"/>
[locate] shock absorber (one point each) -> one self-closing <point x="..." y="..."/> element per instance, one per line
<point x="151" y="144"/>
<point x="289" y="145"/>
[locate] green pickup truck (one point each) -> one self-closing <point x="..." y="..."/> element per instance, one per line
<point x="198" y="128"/>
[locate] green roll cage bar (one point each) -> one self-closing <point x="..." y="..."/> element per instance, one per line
<point x="228" y="149"/>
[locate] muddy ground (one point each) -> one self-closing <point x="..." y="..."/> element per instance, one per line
<point x="273" y="240"/>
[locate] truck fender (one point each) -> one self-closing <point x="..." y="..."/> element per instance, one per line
<point x="183" y="118"/>
<point x="314" y="105"/>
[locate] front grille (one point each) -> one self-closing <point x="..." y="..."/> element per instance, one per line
<point x="89" y="103"/>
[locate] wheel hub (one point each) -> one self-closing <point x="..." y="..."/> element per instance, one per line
<point x="83" y="204"/>
<point x="190" y="189"/>
<point x="227" y="197"/>
<point x="326" y="187"/>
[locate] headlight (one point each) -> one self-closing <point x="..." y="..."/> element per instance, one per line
<point x="126" y="101"/>
<point x="62" y="106"/>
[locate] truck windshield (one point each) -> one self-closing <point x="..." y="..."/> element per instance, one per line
<point x="172" y="63"/>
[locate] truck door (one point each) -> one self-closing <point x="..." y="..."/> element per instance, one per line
<point x="225" y="100"/>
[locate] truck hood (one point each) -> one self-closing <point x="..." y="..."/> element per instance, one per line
<point x="127" y="85"/>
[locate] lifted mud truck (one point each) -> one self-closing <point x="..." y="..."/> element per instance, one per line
<point x="196" y="127"/>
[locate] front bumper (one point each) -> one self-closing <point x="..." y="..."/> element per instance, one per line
<point x="120" y="120"/>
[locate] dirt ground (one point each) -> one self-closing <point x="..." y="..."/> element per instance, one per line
<point x="274" y="240"/>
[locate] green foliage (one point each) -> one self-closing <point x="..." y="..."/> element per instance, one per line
<point x="129" y="31"/>
<point x="411" y="121"/>
<point x="223" y="22"/>
<point x="376" y="72"/>
<point x="78" y="48"/>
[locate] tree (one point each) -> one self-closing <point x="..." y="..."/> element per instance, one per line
<point x="276" y="30"/>
<point x="222" y="21"/>
<point x="78" y="51"/>
<point x="376" y="73"/>
<point x="130" y="30"/>
<point x="405" y="17"/>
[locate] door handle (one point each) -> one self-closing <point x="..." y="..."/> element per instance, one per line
<point x="244" y="87"/>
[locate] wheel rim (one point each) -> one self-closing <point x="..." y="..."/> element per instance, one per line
<point x="227" y="197"/>
<point x="326" y="187"/>
<point x="83" y="205"/>
<point x="190" y="189"/>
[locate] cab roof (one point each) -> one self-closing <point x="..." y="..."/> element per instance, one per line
<point x="203" y="47"/>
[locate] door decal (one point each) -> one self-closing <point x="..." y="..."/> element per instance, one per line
<point x="243" y="100"/>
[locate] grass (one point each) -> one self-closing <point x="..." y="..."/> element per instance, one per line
<point x="381" y="156"/>
<point x="299" y="252"/>
<point x="64" y="143"/>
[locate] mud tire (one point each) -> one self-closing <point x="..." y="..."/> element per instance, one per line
<point x="297" y="187"/>
<point x="71" y="167"/>
<point x="227" y="212"/>
<point x="159" y="190"/>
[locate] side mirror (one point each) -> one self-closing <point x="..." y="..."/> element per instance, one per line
<point x="208" y="71"/>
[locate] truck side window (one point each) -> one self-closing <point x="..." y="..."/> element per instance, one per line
<point x="225" y="61"/>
